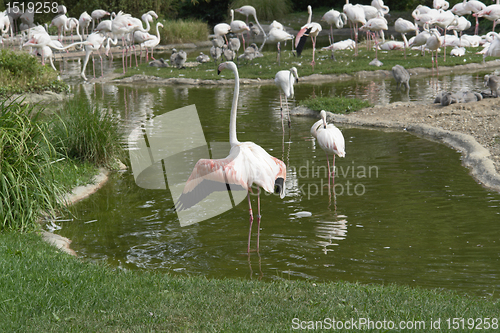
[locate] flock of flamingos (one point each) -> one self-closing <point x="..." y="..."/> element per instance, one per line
<point x="248" y="164"/>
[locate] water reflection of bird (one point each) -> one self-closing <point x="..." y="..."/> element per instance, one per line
<point x="285" y="80"/>
<point x="246" y="164"/>
<point x="330" y="139"/>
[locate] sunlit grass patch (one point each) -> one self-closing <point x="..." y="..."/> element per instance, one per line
<point x="20" y="73"/>
<point x="335" y="104"/>
<point x="182" y="31"/>
<point x="346" y="63"/>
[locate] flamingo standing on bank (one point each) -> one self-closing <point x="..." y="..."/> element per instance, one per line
<point x="433" y="44"/>
<point x="285" y="80"/>
<point x="121" y="26"/>
<point x="238" y="27"/>
<point x="277" y="36"/>
<point x="222" y="29"/>
<point x="356" y="15"/>
<point x="491" y="13"/>
<point x="97" y="15"/>
<point x="376" y="24"/>
<point x="403" y="27"/>
<point x="250" y="10"/>
<point x="379" y="4"/>
<point x="311" y="29"/>
<point x="60" y="22"/>
<point x="474" y="6"/>
<point x="153" y="42"/>
<point x="334" y="18"/>
<point x="84" y="22"/>
<point x="444" y="19"/>
<point x="331" y="140"/>
<point x="246" y="164"/>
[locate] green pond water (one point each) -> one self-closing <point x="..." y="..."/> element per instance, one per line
<point x="406" y="210"/>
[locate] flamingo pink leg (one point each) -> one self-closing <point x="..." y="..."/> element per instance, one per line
<point x="328" y="164"/>
<point x="314" y="49"/>
<point x="258" y="219"/>
<point x="281" y="108"/>
<point x="251" y="221"/>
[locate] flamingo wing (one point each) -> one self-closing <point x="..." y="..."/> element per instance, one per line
<point x="301" y="39"/>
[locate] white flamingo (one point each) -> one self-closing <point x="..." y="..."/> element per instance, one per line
<point x="84" y="22"/>
<point x="403" y="27"/>
<point x="433" y="44"/>
<point x="153" y="42"/>
<point x="331" y="140"/>
<point x="285" y="80"/>
<point x="246" y="164"/>
<point x="250" y="10"/>
<point x="474" y="6"/>
<point x="277" y="36"/>
<point x="356" y="15"/>
<point x="238" y="27"/>
<point x="334" y="18"/>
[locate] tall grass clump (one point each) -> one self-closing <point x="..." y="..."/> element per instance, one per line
<point x="21" y="73"/>
<point x="335" y="104"/>
<point x="183" y="31"/>
<point x="267" y="10"/>
<point x="26" y="189"/>
<point x="85" y="132"/>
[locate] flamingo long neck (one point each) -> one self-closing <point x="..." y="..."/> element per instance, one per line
<point x="291" y="78"/>
<point x="309" y="9"/>
<point x="232" y="16"/>
<point x="232" y="120"/>
<point x="158" y="30"/>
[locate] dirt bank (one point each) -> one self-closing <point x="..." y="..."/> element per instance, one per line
<point x="471" y="128"/>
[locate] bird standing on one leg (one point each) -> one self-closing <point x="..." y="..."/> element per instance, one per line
<point x="311" y="29"/>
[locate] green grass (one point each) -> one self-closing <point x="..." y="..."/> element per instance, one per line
<point x="182" y="31"/>
<point x="266" y="10"/>
<point x="87" y="133"/>
<point x="21" y="73"/>
<point x="68" y="173"/>
<point x="342" y="105"/>
<point x="44" y="290"/>
<point x="26" y="189"/>
<point x="267" y="66"/>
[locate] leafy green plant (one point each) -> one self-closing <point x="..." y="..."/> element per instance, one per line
<point x="87" y="133"/>
<point x="26" y="189"/>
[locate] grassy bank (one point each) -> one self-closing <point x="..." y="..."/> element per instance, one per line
<point x="266" y="67"/>
<point x="43" y="290"/>
<point x="43" y="157"/>
<point x="20" y="73"/>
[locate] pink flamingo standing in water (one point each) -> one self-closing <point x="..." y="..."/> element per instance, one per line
<point x="246" y="164"/>
<point x="331" y="140"/>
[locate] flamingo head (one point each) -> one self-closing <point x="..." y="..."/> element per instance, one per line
<point x="323" y="116"/>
